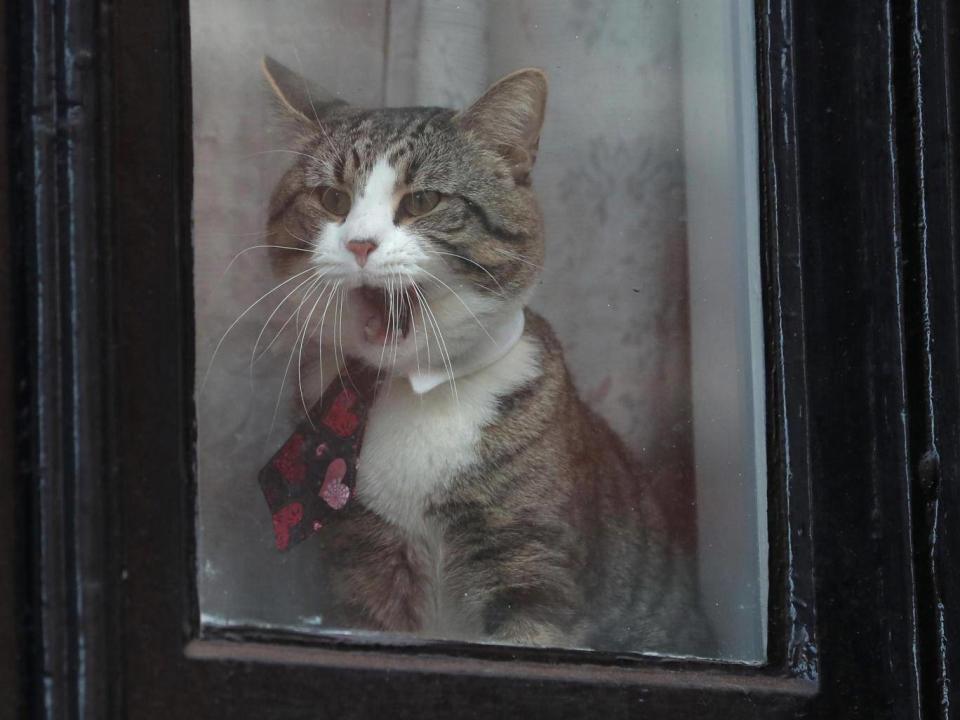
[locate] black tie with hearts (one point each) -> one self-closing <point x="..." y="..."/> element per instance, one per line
<point x="313" y="476"/>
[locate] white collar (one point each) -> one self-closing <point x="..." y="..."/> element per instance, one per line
<point x="504" y="335"/>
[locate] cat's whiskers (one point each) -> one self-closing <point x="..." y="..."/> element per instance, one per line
<point x="205" y="237"/>
<point x="441" y="345"/>
<point x="253" y="247"/>
<point x="413" y="326"/>
<point x="313" y="245"/>
<point x="262" y="235"/>
<point x="319" y="329"/>
<point x="393" y="328"/>
<point x="336" y="315"/>
<point x="343" y="352"/>
<point x="502" y="292"/>
<point x="517" y="256"/>
<point x="280" y="150"/>
<point x="396" y="309"/>
<point x="296" y="313"/>
<point x="388" y="304"/>
<point x="457" y="296"/>
<point x="240" y="317"/>
<point x="426" y="335"/>
<point x="286" y="371"/>
<point x="306" y="327"/>
<point x="253" y="353"/>
<point x="386" y="334"/>
<point x="435" y="324"/>
<point x="338" y="338"/>
<point x="254" y="357"/>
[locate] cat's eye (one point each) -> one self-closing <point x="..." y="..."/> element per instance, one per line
<point x="335" y="201"/>
<point x="420" y="202"/>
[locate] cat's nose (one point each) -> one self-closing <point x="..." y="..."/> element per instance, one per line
<point x="361" y="249"/>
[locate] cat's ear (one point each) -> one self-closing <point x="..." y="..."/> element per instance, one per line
<point x="298" y="98"/>
<point x="508" y="117"/>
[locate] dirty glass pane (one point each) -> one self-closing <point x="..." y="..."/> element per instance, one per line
<point x="453" y="481"/>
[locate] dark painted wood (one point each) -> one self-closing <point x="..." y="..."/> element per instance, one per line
<point x="62" y="354"/>
<point x="929" y="130"/>
<point x="854" y="315"/>
<point x="37" y="313"/>
<point x="792" y="627"/>
<point x="11" y="565"/>
<point x="103" y="339"/>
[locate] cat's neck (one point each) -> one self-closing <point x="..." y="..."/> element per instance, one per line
<point x="500" y="337"/>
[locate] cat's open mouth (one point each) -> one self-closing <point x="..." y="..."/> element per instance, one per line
<point x="387" y="315"/>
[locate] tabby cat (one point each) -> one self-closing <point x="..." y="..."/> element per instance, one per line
<point x="492" y="503"/>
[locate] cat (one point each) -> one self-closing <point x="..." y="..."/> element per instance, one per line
<point x="491" y="503"/>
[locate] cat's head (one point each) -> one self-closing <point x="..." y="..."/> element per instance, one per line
<point x="415" y="230"/>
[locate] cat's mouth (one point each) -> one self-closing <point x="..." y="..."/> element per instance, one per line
<point x="386" y="314"/>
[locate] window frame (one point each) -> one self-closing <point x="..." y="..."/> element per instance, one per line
<point x="105" y="429"/>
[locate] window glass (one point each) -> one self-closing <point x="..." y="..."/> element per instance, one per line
<point x="454" y="481"/>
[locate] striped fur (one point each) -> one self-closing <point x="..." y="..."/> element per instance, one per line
<point x="504" y="510"/>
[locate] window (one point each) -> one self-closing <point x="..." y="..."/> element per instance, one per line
<point x="646" y="175"/>
<point x="856" y="246"/>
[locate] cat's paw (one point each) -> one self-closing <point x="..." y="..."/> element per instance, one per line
<point x="523" y="631"/>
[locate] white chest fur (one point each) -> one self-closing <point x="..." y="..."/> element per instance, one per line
<point x="415" y="445"/>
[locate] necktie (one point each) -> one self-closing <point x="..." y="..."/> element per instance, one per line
<point x="313" y="475"/>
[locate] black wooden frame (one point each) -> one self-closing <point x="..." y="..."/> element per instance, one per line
<point x="857" y="116"/>
<point x="11" y="568"/>
<point x="930" y="133"/>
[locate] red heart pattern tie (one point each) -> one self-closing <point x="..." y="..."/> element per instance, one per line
<point x="313" y="475"/>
